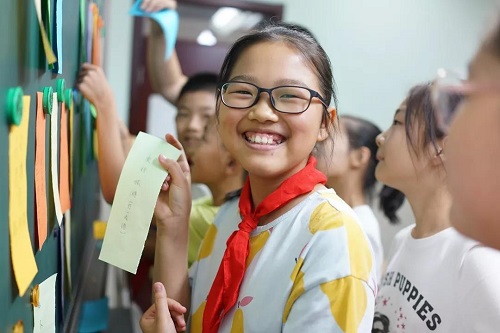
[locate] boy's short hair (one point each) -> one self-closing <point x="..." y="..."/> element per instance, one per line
<point x="200" y="82"/>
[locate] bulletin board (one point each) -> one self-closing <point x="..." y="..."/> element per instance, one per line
<point x="23" y="63"/>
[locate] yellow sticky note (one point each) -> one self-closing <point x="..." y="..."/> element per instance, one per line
<point x="18" y="327"/>
<point x="44" y="315"/>
<point x="99" y="229"/>
<point x="135" y="199"/>
<point x="23" y="260"/>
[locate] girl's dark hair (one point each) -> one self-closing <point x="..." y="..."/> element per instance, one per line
<point x="363" y="133"/>
<point x="390" y="200"/>
<point x="297" y="37"/>
<point x="420" y="111"/>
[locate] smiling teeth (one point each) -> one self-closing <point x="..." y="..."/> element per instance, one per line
<point x="263" y="140"/>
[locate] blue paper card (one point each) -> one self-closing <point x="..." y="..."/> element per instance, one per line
<point x="94" y="316"/>
<point x="168" y="20"/>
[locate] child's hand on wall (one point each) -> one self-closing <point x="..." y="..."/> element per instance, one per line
<point x="94" y="86"/>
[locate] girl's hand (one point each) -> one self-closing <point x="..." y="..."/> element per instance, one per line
<point x="156" y="5"/>
<point x="94" y="87"/>
<point x="165" y="315"/>
<point x="174" y="200"/>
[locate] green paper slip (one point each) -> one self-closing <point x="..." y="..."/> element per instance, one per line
<point x="134" y="202"/>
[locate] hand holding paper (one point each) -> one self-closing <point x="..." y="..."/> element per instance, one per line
<point x="134" y="203"/>
<point x="174" y="201"/>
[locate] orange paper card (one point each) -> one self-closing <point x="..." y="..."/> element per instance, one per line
<point x="40" y="185"/>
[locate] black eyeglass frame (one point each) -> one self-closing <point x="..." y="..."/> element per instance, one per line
<point x="269" y="91"/>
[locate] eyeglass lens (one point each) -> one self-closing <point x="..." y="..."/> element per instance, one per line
<point x="285" y="99"/>
<point x="447" y="95"/>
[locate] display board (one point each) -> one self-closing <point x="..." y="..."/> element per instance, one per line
<point x="24" y="64"/>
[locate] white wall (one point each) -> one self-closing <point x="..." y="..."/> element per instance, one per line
<point x="118" y="27"/>
<point x="379" y="49"/>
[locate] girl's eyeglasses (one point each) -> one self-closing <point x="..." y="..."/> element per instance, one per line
<point x="285" y="99"/>
<point x="448" y="91"/>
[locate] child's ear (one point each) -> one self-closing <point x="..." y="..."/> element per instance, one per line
<point x="359" y="157"/>
<point x="330" y="121"/>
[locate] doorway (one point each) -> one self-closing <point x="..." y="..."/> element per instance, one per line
<point x="196" y="53"/>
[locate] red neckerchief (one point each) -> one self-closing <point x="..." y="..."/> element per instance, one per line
<point x="225" y="288"/>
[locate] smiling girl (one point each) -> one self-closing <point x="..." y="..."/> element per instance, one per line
<point x="289" y="255"/>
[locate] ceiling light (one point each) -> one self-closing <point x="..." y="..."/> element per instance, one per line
<point x="223" y="16"/>
<point x="207" y="38"/>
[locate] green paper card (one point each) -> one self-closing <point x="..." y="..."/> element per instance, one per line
<point x="135" y="199"/>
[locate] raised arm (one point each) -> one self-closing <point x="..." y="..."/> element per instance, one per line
<point x="172" y="220"/>
<point x="114" y="139"/>
<point x="166" y="76"/>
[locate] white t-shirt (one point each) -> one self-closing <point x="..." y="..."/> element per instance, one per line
<point x="372" y="229"/>
<point x="310" y="270"/>
<point x="442" y="283"/>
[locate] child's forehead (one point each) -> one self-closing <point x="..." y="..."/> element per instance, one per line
<point x="275" y="61"/>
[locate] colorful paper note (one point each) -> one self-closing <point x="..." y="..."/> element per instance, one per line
<point x="64" y="163"/>
<point x="49" y="54"/>
<point x="168" y="20"/>
<point x="54" y="122"/>
<point x="58" y="47"/>
<point x="98" y="23"/>
<point x="90" y="27"/>
<point x="94" y="316"/>
<point x="83" y="25"/>
<point x="23" y="260"/>
<point x="133" y="206"/>
<point x="99" y="229"/>
<point x="18" y="327"/>
<point x="40" y="174"/>
<point x="44" y="315"/>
